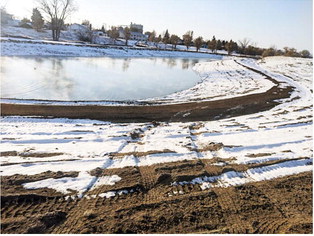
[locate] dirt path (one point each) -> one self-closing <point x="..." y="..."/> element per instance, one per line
<point x="193" y="111"/>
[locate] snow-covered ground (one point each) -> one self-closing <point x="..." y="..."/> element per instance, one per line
<point x="283" y="134"/>
<point x="220" y="79"/>
<point x="23" y="47"/>
<point x="18" y="41"/>
<point x="70" y="36"/>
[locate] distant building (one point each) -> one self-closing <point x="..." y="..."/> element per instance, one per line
<point x="138" y="36"/>
<point x="136" y="28"/>
<point x="136" y="32"/>
<point x="121" y="32"/>
<point x="78" y="28"/>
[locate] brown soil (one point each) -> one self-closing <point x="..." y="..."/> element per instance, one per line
<point x="282" y="205"/>
<point x="197" y="111"/>
<point x="31" y="154"/>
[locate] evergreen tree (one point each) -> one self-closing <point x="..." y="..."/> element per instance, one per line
<point x="231" y="46"/>
<point x="219" y="45"/>
<point x="212" y="44"/>
<point x="166" y="37"/>
<point x="305" y="53"/>
<point x="37" y="20"/>
<point x="158" y="40"/>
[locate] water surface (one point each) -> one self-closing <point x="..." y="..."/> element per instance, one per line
<point x="95" y="79"/>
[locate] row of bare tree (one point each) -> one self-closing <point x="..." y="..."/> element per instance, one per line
<point x="244" y="46"/>
<point x="56" y="12"/>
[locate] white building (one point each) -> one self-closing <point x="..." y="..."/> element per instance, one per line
<point x="136" y="28"/>
<point x="138" y="36"/>
<point x="136" y="32"/>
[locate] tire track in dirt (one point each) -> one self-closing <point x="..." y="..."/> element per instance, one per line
<point x="230" y="210"/>
<point x="271" y="226"/>
<point x="72" y="217"/>
<point x="241" y="209"/>
<point x="83" y="203"/>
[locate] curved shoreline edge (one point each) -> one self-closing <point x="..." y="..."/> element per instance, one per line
<point x="183" y="112"/>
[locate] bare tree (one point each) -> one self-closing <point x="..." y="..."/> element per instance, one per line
<point x="86" y="35"/>
<point x="198" y="43"/>
<point x="212" y="45"/>
<point x="114" y="33"/>
<point x="269" y="52"/>
<point x="127" y="34"/>
<point x="243" y="44"/>
<point x="291" y="52"/>
<point x="152" y="36"/>
<point x="56" y="12"/>
<point x="187" y="39"/>
<point x="174" y="40"/>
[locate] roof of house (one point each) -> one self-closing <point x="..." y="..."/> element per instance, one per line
<point x="76" y="26"/>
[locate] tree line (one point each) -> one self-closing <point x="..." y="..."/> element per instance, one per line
<point x="56" y="12"/>
<point x="244" y="46"/>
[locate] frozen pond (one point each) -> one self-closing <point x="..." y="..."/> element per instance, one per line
<point x="94" y="79"/>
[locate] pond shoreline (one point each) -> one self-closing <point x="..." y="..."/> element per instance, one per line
<point x="194" y="111"/>
<point x="182" y="112"/>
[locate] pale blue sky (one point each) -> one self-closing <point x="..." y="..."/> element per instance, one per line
<point x="264" y="22"/>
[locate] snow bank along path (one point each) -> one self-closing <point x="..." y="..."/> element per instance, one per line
<point x="281" y="135"/>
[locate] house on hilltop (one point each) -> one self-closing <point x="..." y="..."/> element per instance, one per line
<point x="136" y="28"/>
<point x="138" y="36"/>
<point x="136" y="32"/>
